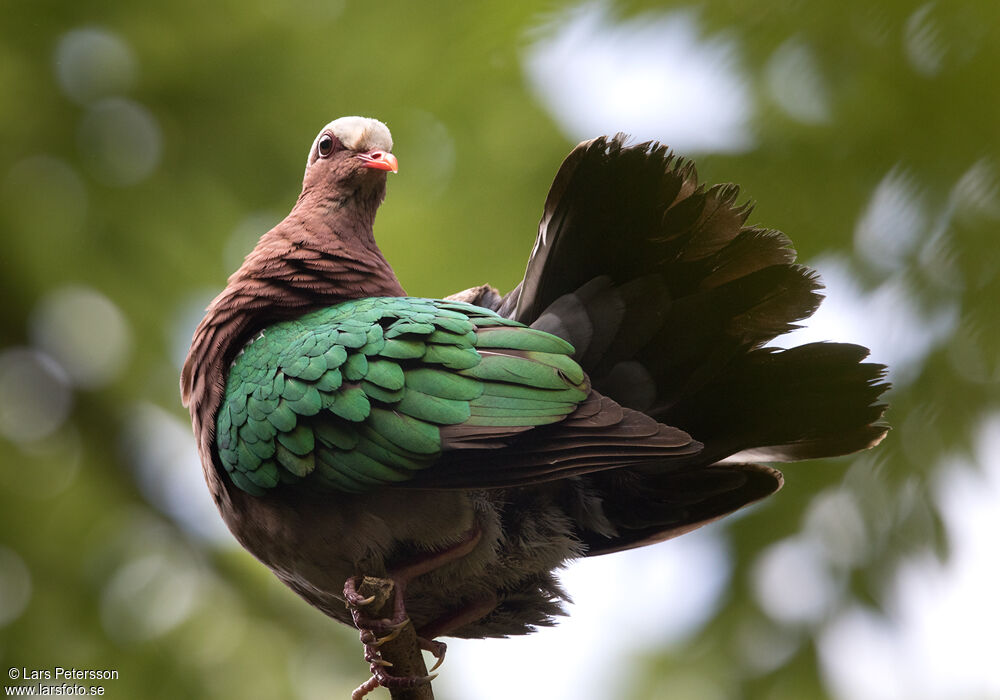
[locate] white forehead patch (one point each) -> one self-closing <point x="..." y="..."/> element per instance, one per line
<point x="361" y="134"/>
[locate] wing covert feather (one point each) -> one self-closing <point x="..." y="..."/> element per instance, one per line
<point x="354" y="396"/>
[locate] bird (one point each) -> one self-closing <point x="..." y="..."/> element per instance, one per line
<point x="628" y="390"/>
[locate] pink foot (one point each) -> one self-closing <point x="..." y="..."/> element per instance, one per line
<point x="370" y="628"/>
<point x="374" y="632"/>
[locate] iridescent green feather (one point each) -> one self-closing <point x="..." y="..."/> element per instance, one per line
<point x="352" y="397"/>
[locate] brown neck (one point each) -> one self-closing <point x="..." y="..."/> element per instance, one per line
<point x="323" y="253"/>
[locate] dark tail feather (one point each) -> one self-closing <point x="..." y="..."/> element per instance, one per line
<point x="647" y="508"/>
<point x="816" y="400"/>
<point x="669" y="300"/>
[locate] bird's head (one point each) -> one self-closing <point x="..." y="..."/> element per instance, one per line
<point x="350" y="153"/>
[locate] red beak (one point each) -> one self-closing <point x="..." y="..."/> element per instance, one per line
<point x="379" y="160"/>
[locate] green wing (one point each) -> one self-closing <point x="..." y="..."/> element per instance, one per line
<point x="352" y="397"/>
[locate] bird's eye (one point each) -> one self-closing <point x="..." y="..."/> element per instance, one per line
<point x="325" y="146"/>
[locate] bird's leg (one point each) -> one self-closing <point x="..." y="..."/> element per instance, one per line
<point x="446" y="624"/>
<point x="401" y="576"/>
<point x="370" y="627"/>
<point x="471" y="612"/>
<point x="434" y="560"/>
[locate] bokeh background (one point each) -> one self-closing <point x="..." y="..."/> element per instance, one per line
<point x="145" y="146"/>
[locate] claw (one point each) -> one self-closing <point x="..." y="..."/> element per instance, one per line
<point x="379" y="641"/>
<point x="438" y="649"/>
<point x="352" y="598"/>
